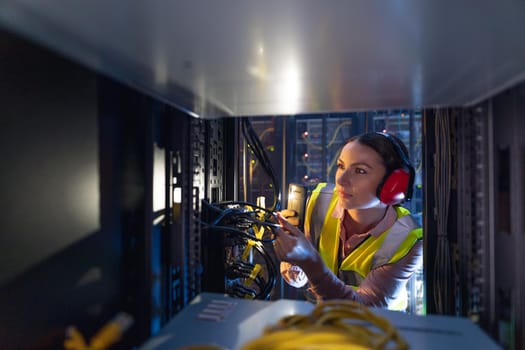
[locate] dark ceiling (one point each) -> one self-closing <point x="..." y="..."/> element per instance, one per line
<point x="278" y="57"/>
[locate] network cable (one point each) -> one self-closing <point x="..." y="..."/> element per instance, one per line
<point x="249" y="232"/>
<point x="442" y="265"/>
<point x="255" y="145"/>
<point x="336" y="324"/>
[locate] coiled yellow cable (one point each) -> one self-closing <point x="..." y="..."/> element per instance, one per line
<point x="336" y="324"/>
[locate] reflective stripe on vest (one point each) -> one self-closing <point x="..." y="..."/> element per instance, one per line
<point x="320" y="202"/>
<point x="316" y="209"/>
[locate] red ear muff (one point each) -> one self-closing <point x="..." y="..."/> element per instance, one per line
<point x="394" y="188"/>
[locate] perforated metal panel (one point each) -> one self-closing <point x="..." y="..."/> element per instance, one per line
<point x="474" y="219"/>
<point x="196" y="174"/>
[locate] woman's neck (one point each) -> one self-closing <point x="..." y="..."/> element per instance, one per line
<point x="363" y="220"/>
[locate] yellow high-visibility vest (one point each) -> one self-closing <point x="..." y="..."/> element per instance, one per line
<point x="389" y="247"/>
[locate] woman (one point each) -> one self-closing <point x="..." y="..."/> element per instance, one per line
<point x="362" y="246"/>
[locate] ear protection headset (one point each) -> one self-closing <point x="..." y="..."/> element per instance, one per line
<point x="397" y="185"/>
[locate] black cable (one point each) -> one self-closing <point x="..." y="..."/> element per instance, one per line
<point x="240" y="233"/>
<point x="269" y="214"/>
<point x="243" y="269"/>
<point x="271" y="269"/>
<point x="240" y="221"/>
<point x="258" y="150"/>
<point x="240" y="217"/>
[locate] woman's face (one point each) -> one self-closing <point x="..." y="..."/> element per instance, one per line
<point x="360" y="169"/>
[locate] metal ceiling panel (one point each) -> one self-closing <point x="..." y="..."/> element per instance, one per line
<point x="279" y="57"/>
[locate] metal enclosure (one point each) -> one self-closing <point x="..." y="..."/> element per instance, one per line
<point x="119" y="120"/>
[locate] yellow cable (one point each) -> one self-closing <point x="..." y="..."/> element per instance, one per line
<point x="255" y="271"/>
<point x="253" y="275"/>
<point x="337" y="324"/>
<point x="259" y="232"/>
<point x="249" y="244"/>
<point x="106" y="336"/>
<point x="74" y="339"/>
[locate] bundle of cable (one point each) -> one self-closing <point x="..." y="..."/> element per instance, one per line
<point x="336" y="324"/>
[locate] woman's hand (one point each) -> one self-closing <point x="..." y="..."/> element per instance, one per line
<point x="291" y="244"/>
